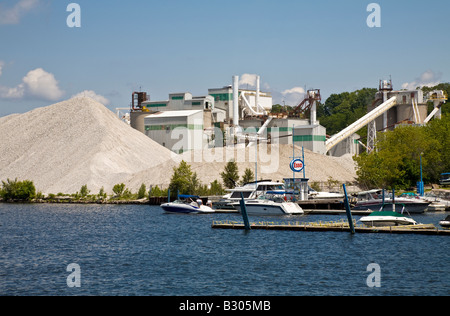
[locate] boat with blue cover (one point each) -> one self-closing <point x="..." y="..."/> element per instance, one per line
<point x="187" y="204"/>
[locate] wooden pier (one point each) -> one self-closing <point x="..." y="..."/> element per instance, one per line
<point x="322" y="204"/>
<point x="339" y="226"/>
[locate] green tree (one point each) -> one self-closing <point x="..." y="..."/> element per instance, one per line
<point x="18" y="190"/>
<point x="102" y="194"/>
<point x="181" y="180"/>
<point x="84" y="191"/>
<point x="341" y="110"/>
<point x="142" y="193"/>
<point x="216" y="188"/>
<point x="249" y="176"/>
<point x="118" y="189"/>
<point x="156" y="191"/>
<point x="396" y="163"/>
<point x="230" y="175"/>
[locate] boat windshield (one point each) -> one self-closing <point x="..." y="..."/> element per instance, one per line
<point x="237" y="194"/>
<point x="270" y="187"/>
<point x="272" y="197"/>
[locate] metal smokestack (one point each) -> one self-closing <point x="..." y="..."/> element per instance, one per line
<point x="236" y="100"/>
<point x="258" y="90"/>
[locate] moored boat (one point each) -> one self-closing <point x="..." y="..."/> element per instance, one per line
<point x="250" y="191"/>
<point x="369" y="200"/>
<point x="387" y="218"/>
<point x="272" y="203"/>
<point x="445" y="222"/>
<point x="187" y="204"/>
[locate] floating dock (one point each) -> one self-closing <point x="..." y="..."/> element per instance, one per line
<point x="339" y="226"/>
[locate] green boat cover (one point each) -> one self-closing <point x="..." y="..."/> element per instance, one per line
<point x="387" y="213"/>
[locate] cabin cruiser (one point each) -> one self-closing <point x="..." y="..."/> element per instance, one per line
<point x="187" y="204"/>
<point x="445" y="222"/>
<point x="384" y="218"/>
<point x="373" y="199"/>
<point x="250" y="191"/>
<point x="271" y="203"/>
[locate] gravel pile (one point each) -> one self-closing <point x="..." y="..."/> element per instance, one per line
<point x="76" y="142"/>
<point x="273" y="163"/>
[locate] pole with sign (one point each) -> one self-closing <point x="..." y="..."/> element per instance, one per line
<point x="297" y="164"/>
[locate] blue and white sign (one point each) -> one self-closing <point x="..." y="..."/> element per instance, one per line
<point x="297" y="165"/>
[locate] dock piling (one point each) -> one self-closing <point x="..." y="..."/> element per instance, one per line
<point x="349" y="212"/>
<point x="244" y="213"/>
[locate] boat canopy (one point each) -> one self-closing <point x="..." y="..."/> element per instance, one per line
<point x="387" y="213"/>
<point x="278" y="192"/>
<point x="185" y="196"/>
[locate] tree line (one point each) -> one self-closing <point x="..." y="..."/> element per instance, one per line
<point x="183" y="181"/>
<point x="396" y="160"/>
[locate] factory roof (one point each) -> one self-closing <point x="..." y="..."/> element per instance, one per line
<point x="174" y="114"/>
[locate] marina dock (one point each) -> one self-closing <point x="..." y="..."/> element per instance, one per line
<point x="339" y="226"/>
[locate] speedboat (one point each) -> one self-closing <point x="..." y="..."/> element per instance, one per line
<point x="250" y="191"/>
<point x="369" y="200"/>
<point x="387" y="218"/>
<point x="445" y="222"/>
<point x="384" y="218"/>
<point x="269" y="204"/>
<point x="187" y="204"/>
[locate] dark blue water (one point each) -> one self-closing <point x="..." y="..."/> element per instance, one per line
<point x="138" y="250"/>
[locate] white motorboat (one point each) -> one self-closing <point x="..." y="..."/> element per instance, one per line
<point x="445" y="222"/>
<point x="387" y="218"/>
<point x="369" y="200"/>
<point x="269" y="204"/>
<point x="384" y="218"/>
<point x="187" y="204"/>
<point x="250" y="191"/>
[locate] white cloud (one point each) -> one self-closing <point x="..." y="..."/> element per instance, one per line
<point x="429" y="79"/>
<point x="295" y="90"/>
<point x="14" y="14"/>
<point x="13" y="93"/>
<point x="42" y="84"/>
<point x="248" y="79"/>
<point x="91" y="94"/>
<point x="1" y="67"/>
<point x="37" y="83"/>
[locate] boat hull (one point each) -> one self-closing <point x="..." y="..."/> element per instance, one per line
<point x="259" y="208"/>
<point x="445" y="224"/>
<point x="410" y="206"/>
<point x="178" y="208"/>
<point x="383" y="221"/>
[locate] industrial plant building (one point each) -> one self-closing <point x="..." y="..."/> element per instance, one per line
<point x="231" y="115"/>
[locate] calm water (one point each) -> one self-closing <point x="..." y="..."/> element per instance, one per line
<point x="138" y="250"/>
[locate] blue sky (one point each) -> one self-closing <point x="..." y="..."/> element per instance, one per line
<point x="192" y="45"/>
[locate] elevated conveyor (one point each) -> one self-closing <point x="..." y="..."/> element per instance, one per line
<point x="353" y="128"/>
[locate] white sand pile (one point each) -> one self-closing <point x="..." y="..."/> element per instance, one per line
<point x="76" y="142"/>
<point x="273" y="163"/>
<point x="66" y="145"/>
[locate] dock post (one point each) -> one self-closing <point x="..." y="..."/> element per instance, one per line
<point x="244" y="213"/>
<point x="349" y="212"/>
